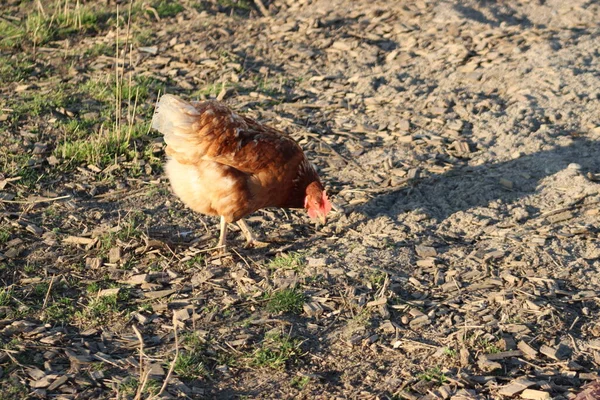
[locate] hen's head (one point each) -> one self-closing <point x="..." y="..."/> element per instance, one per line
<point x="316" y="202"/>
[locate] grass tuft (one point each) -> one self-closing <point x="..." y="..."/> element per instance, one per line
<point x="286" y="300"/>
<point x="276" y="352"/>
<point x="293" y="261"/>
<point x="433" y="375"/>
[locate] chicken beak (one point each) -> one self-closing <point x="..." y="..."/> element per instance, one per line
<point x="323" y="219"/>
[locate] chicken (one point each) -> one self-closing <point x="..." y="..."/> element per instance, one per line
<point x="225" y="164"/>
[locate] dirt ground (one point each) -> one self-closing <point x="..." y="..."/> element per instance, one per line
<point x="459" y="139"/>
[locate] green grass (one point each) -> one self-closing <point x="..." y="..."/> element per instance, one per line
<point x="5" y="296"/>
<point x="4" y="236"/>
<point x="433" y="375"/>
<point x="191" y="363"/>
<point x="143" y="37"/>
<point x="57" y="23"/>
<point x="11" y="34"/>
<point x="450" y="352"/>
<point x="293" y="261"/>
<point x="190" y="366"/>
<point x="167" y="8"/>
<point x="100" y="310"/>
<point x="101" y="49"/>
<point x="286" y="300"/>
<point x="195" y="261"/>
<point x="211" y="90"/>
<point x="41" y="289"/>
<point x="30" y="268"/>
<point x="276" y="352"/>
<point x="488" y="347"/>
<point x="60" y="311"/>
<point x="36" y="103"/>
<point x="12" y="389"/>
<point x="376" y="279"/>
<point x="129" y="387"/>
<point x="14" y="69"/>
<point x="242" y="5"/>
<point x="98" y="140"/>
<point x="93" y="288"/>
<point x="300" y="382"/>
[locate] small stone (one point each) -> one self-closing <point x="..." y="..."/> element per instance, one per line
<point x="114" y="255"/>
<point x="425" y="251"/>
<point x="93" y="262"/>
<point x="182" y="315"/>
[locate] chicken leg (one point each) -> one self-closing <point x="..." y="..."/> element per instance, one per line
<point x="250" y="237"/>
<point x="223" y="236"/>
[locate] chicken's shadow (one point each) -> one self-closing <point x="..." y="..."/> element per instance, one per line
<point x="467" y="187"/>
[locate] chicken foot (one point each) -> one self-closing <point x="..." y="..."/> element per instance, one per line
<point x="250" y="237"/>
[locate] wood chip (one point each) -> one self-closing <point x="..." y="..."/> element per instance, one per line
<point x="159" y="293"/>
<point x="535" y="395"/>
<point x="528" y="351"/>
<point x="560" y="217"/>
<point x="109" y="292"/>
<point x="79" y="240"/>
<point x="515" y="387"/>
<point x="504" y="354"/>
<point x="312" y="309"/>
<point x="377" y="302"/>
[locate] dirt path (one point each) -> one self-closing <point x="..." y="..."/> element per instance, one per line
<point x="460" y="140"/>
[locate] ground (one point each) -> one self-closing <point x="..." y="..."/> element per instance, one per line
<point x="459" y="140"/>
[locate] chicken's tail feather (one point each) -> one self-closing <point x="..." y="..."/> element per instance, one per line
<point x="177" y="120"/>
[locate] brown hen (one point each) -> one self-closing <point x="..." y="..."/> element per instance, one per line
<point x="222" y="163"/>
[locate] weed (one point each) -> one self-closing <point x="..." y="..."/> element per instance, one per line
<point x="100" y="49"/>
<point x="286" y="300"/>
<point x="14" y="69"/>
<point x="193" y="341"/>
<point x="450" y="352"/>
<point x="156" y="191"/>
<point x="433" y="375"/>
<point x="41" y="289"/>
<point x="211" y="90"/>
<point x="5" y="296"/>
<point x="167" y="8"/>
<point x="190" y="365"/>
<point x="99" y="310"/>
<point x="100" y="149"/>
<point x="93" y="288"/>
<point x="4" y="236"/>
<point x="197" y="260"/>
<point x="129" y="387"/>
<point x="103" y="305"/>
<point x="293" y="261"/>
<point x="29" y="268"/>
<point x="10" y="34"/>
<point x="488" y="346"/>
<point x="300" y="382"/>
<point x="276" y="351"/>
<point x="242" y="5"/>
<point x="377" y="278"/>
<point x="12" y="389"/>
<point x="59" y="311"/>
